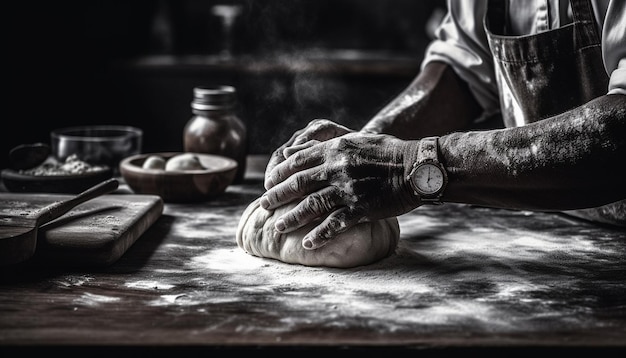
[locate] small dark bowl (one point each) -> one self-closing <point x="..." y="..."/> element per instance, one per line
<point x="15" y="181"/>
<point x="179" y="186"/>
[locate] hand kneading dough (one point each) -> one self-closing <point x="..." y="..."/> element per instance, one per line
<point x="364" y="244"/>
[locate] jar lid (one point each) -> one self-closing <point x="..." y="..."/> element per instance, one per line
<point x="213" y="97"/>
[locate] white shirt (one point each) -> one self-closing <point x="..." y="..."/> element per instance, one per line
<point x="462" y="43"/>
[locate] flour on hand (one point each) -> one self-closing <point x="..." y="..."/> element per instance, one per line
<point x="363" y="244"/>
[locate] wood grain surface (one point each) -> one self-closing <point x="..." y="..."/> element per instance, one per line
<point x="463" y="277"/>
<point x="95" y="233"/>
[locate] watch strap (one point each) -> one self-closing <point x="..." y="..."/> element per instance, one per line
<point x="428" y="151"/>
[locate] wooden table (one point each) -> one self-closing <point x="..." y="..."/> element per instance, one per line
<point x="464" y="279"/>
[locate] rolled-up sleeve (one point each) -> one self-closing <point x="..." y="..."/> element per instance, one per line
<point x="460" y="41"/>
<point x="614" y="46"/>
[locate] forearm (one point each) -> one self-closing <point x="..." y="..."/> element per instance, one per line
<point x="565" y="162"/>
<point x="435" y="103"/>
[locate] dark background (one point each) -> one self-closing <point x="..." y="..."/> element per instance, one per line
<point x="136" y="63"/>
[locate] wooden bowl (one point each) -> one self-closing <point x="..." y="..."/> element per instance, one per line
<point x="179" y="185"/>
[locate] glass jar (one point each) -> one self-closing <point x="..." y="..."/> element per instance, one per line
<point x="215" y="128"/>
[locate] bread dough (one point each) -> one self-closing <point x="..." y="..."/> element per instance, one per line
<point x="363" y="244"/>
<point x="186" y="161"/>
<point x="154" y="162"/>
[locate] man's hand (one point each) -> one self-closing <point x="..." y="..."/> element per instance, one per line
<point x="341" y="182"/>
<point x="317" y="129"/>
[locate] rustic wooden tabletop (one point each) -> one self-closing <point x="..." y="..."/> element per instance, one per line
<point x="463" y="278"/>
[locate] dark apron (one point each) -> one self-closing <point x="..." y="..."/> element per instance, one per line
<point x="548" y="73"/>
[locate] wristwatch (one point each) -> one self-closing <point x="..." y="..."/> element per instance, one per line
<point x="428" y="177"/>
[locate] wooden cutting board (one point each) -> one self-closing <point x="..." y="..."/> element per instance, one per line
<point x="95" y="233"/>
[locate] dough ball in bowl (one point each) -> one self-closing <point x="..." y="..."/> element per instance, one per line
<point x="186" y="161"/>
<point x="154" y="162"/>
<point x="364" y="244"/>
<point x="189" y="177"/>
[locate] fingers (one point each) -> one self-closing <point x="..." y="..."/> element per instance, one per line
<point x="297" y="161"/>
<point x="336" y="223"/>
<point x="316" y="130"/>
<point x="321" y="130"/>
<point x="287" y="152"/>
<point x="278" y="156"/>
<point x="295" y="187"/>
<point x="314" y="206"/>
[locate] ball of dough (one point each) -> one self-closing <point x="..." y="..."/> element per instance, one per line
<point x="186" y="161"/>
<point x="363" y="244"/>
<point x="154" y="162"/>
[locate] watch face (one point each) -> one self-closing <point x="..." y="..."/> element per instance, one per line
<point x="428" y="178"/>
